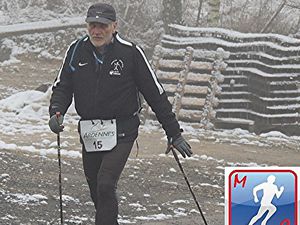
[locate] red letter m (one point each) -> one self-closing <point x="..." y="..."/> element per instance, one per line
<point x="236" y="180"/>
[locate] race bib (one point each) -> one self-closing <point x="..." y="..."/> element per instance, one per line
<point x="98" y="135"/>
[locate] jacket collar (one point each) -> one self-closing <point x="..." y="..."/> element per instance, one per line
<point x="103" y="49"/>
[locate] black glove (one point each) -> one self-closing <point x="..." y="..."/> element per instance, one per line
<point x="179" y="143"/>
<point x="55" y="123"/>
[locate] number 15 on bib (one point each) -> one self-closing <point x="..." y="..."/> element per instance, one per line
<point x="98" y="135"/>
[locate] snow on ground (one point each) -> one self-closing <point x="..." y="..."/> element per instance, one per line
<point x="26" y="113"/>
<point x="24" y="47"/>
<point x="46" y="45"/>
<point x="35" y="26"/>
<point x="26" y="199"/>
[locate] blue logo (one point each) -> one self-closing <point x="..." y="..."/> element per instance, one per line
<point x="262" y="197"/>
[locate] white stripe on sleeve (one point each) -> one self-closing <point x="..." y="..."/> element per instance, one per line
<point x="60" y="70"/>
<point x="123" y="41"/>
<point x="158" y="85"/>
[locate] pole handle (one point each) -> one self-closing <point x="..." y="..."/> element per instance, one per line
<point x="57" y="114"/>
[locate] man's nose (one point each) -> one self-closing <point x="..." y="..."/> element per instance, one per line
<point x="98" y="31"/>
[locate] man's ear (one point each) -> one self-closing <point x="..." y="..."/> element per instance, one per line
<point x="115" y="25"/>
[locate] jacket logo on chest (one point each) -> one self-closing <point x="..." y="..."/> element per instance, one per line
<point x="117" y="66"/>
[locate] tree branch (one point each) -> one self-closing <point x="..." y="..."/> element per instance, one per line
<point x="199" y="12"/>
<point x="273" y="17"/>
<point x="293" y="6"/>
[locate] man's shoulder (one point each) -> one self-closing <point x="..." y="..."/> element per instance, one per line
<point x="128" y="44"/>
<point x="123" y="41"/>
<point x="78" y="42"/>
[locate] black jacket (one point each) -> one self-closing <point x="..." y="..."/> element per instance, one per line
<point x="106" y="86"/>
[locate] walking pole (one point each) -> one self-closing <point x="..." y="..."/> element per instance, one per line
<point x="59" y="175"/>
<point x="188" y="183"/>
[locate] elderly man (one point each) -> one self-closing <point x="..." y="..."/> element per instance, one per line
<point x="104" y="73"/>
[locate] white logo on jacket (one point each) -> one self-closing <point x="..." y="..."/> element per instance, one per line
<point x="117" y="67"/>
<point x="82" y="64"/>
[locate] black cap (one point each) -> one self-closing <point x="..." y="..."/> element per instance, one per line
<point x="101" y="13"/>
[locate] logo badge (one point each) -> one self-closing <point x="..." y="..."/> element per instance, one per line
<point x="262" y="196"/>
<point x="117" y="67"/>
<point x="82" y="64"/>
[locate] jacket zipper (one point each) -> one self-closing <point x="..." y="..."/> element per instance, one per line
<point x="99" y="64"/>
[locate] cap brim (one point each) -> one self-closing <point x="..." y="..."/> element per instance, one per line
<point x="98" y="20"/>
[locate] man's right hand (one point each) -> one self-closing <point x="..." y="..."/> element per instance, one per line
<point x="180" y="144"/>
<point x="55" y="123"/>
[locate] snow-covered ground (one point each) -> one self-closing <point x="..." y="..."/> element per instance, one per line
<point x="26" y="113"/>
<point x="25" y="133"/>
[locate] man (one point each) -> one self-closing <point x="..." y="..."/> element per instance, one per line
<point x="104" y="73"/>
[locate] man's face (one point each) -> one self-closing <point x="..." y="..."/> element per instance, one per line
<point x="100" y="33"/>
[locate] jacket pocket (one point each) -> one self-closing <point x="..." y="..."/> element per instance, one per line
<point x="128" y="127"/>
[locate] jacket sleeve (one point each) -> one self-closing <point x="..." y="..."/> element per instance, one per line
<point x="154" y="94"/>
<point x="62" y="89"/>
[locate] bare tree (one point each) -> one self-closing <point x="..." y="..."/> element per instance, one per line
<point x="214" y="13"/>
<point x="273" y="16"/>
<point x="254" y="15"/>
<point x="172" y="12"/>
<point x="199" y="12"/>
<point x="295" y="28"/>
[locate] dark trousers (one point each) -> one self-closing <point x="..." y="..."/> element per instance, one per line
<point x="102" y="171"/>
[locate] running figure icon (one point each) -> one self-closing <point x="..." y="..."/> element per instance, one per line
<point x="269" y="191"/>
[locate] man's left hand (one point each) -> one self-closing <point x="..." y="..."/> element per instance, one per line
<point x="180" y="144"/>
